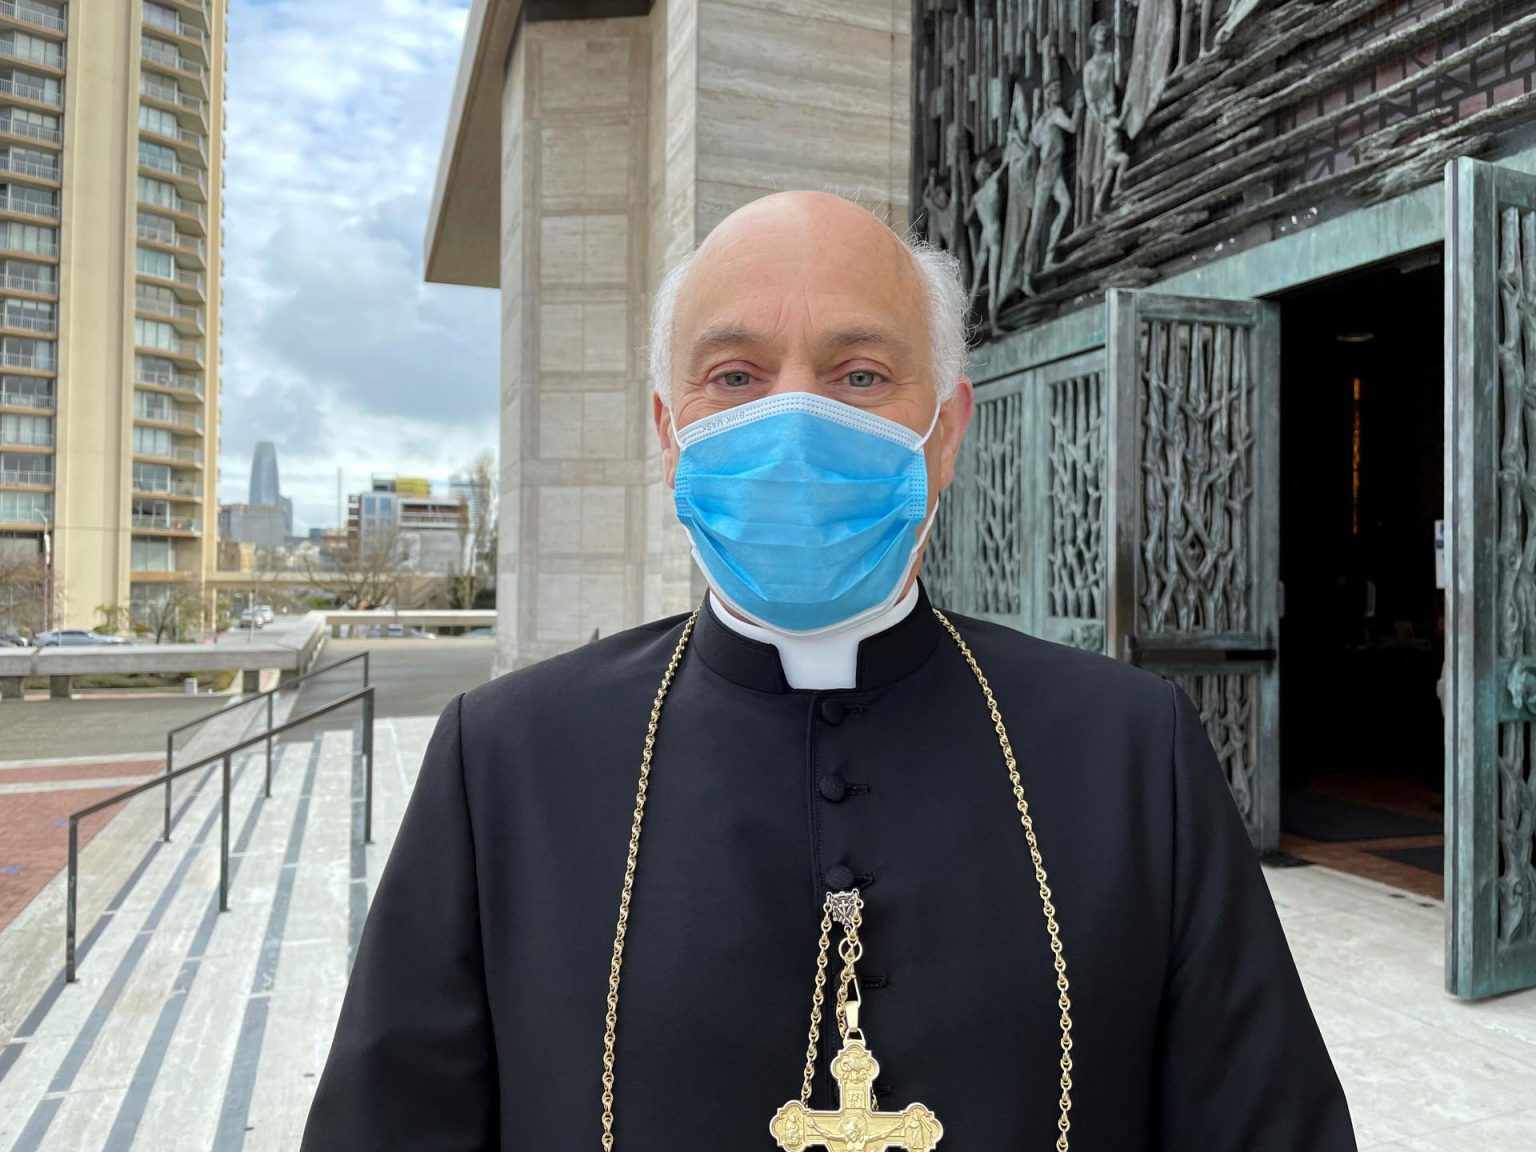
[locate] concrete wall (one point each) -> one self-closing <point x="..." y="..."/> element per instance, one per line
<point x="623" y="143"/>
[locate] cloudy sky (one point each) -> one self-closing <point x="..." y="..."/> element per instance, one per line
<point x="334" y="348"/>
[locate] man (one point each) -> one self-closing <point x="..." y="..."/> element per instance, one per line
<point x="536" y="973"/>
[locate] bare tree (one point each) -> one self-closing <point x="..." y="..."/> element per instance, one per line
<point x="477" y="531"/>
<point x="178" y="610"/>
<point x="23" y="592"/>
<point x="364" y="572"/>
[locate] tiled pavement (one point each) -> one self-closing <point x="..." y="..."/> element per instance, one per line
<point x="36" y="797"/>
<point x="191" y="1030"/>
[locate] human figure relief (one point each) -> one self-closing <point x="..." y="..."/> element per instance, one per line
<point x="1102" y="99"/>
<point x="986" y="207"/>
<point x="1019" y="161"/>
<point x="1049" y="136"/>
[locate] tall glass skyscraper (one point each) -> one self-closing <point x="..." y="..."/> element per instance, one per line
<point x="264" y="486"/>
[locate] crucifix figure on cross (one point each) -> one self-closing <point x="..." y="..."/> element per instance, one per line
<point x="855" y="1126"/>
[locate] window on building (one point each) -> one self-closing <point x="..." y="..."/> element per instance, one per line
<point x="25" y="468"/>
<point x="153" y="227"/>
<point x="153" y="554"/>
<point x="152" y="477"/>
<point x="29" y="162"/>
<point x="162" y="52"/>
<point x="152" y="441"/>
<point x="24" y="507"/>
<point x="157" y="120"/>
<point x="160" y="16"/>
<point x="157" y="509"/>
<point x="26" y="431"/>
<point x="24" y="352"/>
<point x="33" y="48"/>
<point x="34" y="315"/>
<point x="155" y="334"/>
<point x="157" y="156"/>
<point x="29" y="277"/>
<point x="152" y="191"/>
<point x="26" y="122"/>
<point x="152" y="263"/>
<point x="30" y="86"/>
<point x="50" y="15"/>
<point x="155" y="369"/>
<point x="26" y="391"/>
<point x="153" y="298"/>
<point x="153" y="406"/>
<point x="25" y="198"/>
<point x="38" y="239"/>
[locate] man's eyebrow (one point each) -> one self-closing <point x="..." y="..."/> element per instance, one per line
<point x="718" y="336"/>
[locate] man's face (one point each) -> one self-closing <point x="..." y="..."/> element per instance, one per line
<point x="805" y="292"/>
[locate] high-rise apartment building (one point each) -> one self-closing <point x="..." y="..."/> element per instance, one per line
<point x="111" y="141"/>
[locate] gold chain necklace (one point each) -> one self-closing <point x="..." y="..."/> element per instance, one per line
<point x="1064" y="1000"/>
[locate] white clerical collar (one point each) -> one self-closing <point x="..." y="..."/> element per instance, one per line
<point x="819" y="662"/>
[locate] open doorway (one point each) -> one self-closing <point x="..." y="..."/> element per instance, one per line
<point x="1362" y="632"/>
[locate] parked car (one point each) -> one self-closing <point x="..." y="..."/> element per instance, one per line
<point x="481" y="633"/>
<point x="11" y="640"/>
<point x="267" y="615"/>
<point x="252" y="618"/>
<point x="74" y="638"/>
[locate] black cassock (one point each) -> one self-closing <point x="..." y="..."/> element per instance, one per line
<point x="474" y="1017"/>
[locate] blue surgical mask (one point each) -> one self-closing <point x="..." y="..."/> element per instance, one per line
<point x="805" y="514"/>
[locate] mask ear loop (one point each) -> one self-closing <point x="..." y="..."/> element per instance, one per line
<point x="938" y="408"/>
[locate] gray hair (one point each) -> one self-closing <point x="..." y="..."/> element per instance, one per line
<point x="947" y="305"/>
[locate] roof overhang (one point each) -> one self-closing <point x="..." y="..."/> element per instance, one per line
<point x="465" y="216"/>
<point x="463" y="243"/>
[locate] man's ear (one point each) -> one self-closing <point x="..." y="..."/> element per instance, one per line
<point x="663" y="420"/>
<point x="954" y="418"/>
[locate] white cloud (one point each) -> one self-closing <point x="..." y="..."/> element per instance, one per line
<point x="334" y="348"/>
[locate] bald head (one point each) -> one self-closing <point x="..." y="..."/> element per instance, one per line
<point x="808" y="268"/>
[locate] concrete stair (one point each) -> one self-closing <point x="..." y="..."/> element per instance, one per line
<point x="188" y="1028"/>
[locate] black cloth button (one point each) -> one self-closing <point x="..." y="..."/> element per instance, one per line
<point x="832" y="711"/>
<point x="839" y="878"/>
<point x="832" y="787"/>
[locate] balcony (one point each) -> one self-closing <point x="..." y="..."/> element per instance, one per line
<point x="181" y="455"/>
<point x="26" y="477"/>
<point x="179" y="349"/>
<point x="174" y="26"/>
<point x="25" y="90"/>
<point x="159" y="57"/>
<point x="186" y="139"/>
<point x="183" y="278"/>
<point x="175" y="489"/>
<point x="20" y="321"/>
<point x="29" y="168"/>
<point x="151" y="305"/>
<point x="169" y="94"/>
<point x="11" y="399"/>
<point x="32" y="16"/>
<point x="26" y="438"/>
<point x="24" y="207"/>
<point x="175" y="169"/>
<point x="175" y="381"/>
<point x="182" y="207"/>
<point x="27" y="360"/>
<point x="193" y="246"/>
<point x="146" y="523"/>
<point x="15" y="127"/>
<point x="166" y="414"/>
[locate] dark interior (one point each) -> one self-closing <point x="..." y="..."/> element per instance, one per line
<point x="1362" y="636"/>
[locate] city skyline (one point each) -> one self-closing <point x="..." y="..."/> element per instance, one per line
<point x="334" y="350"/>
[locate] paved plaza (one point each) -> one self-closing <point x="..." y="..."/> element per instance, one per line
<point x="194" y="1030"/>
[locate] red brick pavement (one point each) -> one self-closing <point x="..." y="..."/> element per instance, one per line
<point x="34" y="826"/>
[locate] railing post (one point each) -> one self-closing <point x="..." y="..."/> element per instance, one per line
<point x="365" y="667"/>
<point x="170" y="751"/>
<point x="224" y="841"/>
<point x="368" y="768"/>
<point x="69" y="902"/>
<point x="269" y="747"/>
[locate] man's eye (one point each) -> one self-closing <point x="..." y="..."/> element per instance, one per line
<point x="735" y="379"/>
<point x="862" y="378"/>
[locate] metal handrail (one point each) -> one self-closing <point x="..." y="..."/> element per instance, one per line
<point x="227" y="756"/>
<point x="269" y="695"/>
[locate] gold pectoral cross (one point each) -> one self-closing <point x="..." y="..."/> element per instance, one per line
<point x="857" y="1125"/>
